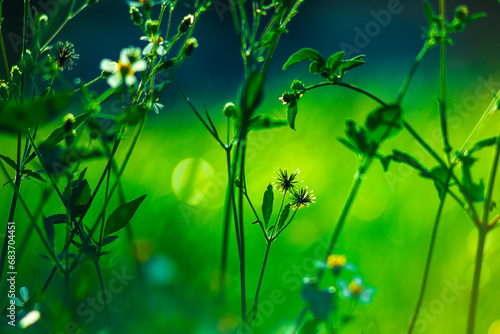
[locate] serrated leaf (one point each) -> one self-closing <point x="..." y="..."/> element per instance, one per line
<point x="384" y="123"/>
<point x="284" y="216"/>
<point x="291" y="113"/>
<point x="334" y="61"/>
<point x="482" y="144"/>
<point x="48" y="224"/>
<point x="9" y="161"/>
<point x="409" y="160"/>
<point x="267" y="204"/>
<point x="304" y="54"/>
<point x="122" y="215"/>
<point x="59" y="134"/>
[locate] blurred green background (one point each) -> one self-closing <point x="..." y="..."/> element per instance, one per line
<point x="179" y="236"/>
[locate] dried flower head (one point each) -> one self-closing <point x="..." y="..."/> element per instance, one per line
<point x="63" y="55"/>
<point x="302" y="198"/>
<point x="284" y="182"/>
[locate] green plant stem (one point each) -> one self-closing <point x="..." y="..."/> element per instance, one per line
<point x="442" y="67"/>
<point x="70" y="16"/>
<point x="360" y="174"/>
<point x="226" y="225"/>
<point x="348" y="86"/>
<point x="103" y="289"/>
<point x="241" y="226"/>
<point x="284" y="227"/>
<point x="409" y="76"/>
<point x="482" y="232"/>
<point x="430" y="251"/>
<point x="256" y="298"/>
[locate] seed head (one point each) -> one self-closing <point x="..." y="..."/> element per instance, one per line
<point x="286" y="182"/>
<point x="63" y="55"/>
<point x="302" y="198"/>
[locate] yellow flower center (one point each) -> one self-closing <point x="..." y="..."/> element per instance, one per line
<point x="335" y="260"/>
<point x="355" y="289"/>
<point x="125" y="69"/>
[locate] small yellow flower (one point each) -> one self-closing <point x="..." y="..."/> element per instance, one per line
<point x="335" y="261"/>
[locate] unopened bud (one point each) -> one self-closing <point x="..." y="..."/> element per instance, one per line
<point x="229" y="110"/>
<point x="15" y="74"/>
<point x="136" y="16"/>
<point x="191" y="45"/>
<point x="152" y="27"/>
<point x="186" y="23"/>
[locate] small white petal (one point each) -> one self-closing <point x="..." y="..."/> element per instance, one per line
<point x="160" y="50"/>
<point x="147" y="49"/>
<point x="366" y="296"/>
<point x="145" y="38"/>
<point x="140" y="65"/>
<point x="18" y="302"/>
<point x="24" y="293"/>
<point x="108" y="65"/>
<point x="115" y="80"/>
<point x="358" y="281"/>
<point x="29" y="319"/>
<point x="130" y="80"/>
<point x="124" y="56"/>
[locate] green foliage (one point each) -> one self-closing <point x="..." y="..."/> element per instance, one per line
<point x="122" y="216"/>
<point x="267" y="204"/>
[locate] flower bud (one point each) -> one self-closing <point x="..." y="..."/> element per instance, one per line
<point x="15" y="74"/>
<point x="186" y="23"/>
<point x="136" y="16"/>
<point x="297" y="85"/>
<point x="4" y="90"/>
<point x="68" y="121"/>
<point x="229" y="110"/>
<point x="462" y="13"/>
<point x="42" y="20"/>
<point x="152" y="27"/>
<point x="191" y="45"/>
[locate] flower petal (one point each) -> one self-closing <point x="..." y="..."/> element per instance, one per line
<point x="366" y="296"/>
<point x="18" y="302"/>
<point x="24" y="293"/>
<point x="124" y="59"/>
<point x="145" y="38"/>
<point x="344" y="289"/>
<point x="130" y="80"/>
<point x="108" y="65"/>
<point x="147" y="49"/>
<point x="115" y="80"/>
<point x="140" y="65"/>
<point x="160" y="50"/>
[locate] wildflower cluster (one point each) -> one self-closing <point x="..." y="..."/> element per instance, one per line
<point x="347" y="284"/>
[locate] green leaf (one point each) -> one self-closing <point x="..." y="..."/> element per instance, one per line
<point x="348" y="144"/>
<point x="20" y="118"/>
<point x="291" y="112"/>
<point x="483" y="143"/>
<point x="304" y="54"/>
<point x="334" y="61"/>
<point x="310" y="327"/>
<point x="133" y="114"/>
<point x="385" y="161"/>
<point x="429" y="12"/>
<point x="357" y="135"/>
<point x="474" y="191"/>
<point x="409" y="160"/>
<point x="349" y="64"/>
<point x="267" y="204"/>
<point x="262" y="122"/>
<point x="439" y="174"/>
<point x="57" y="219"/>
<point x="59" y="134"/>
<point x="166" y="65"/>
<point x="48" y="224"/>
<point x="34" y="175"/>
<point x="109" y="239"/>
<point x="251" y="94"/>
<point x="9" y="161"/>
<point x="316" y="67"/>
<point x="284" y="216"/>
<point x="384" y="123"/>
<point x="122" y="215"/>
